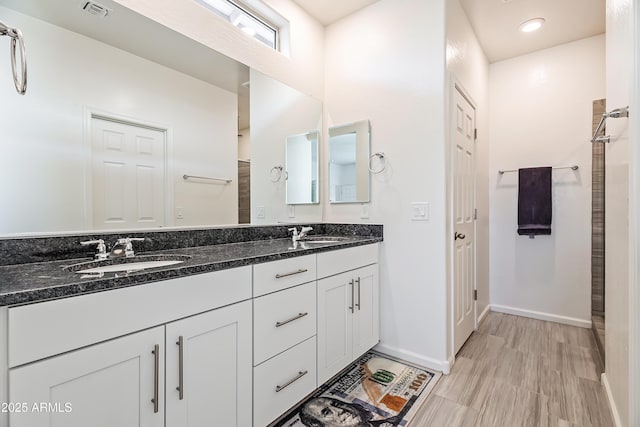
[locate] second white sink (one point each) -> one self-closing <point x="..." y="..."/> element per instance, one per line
<point x="130" y="266"/>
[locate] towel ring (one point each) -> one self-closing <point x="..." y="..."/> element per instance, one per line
<point x="383" y="162"/>
<point x="16" y="40"/>
<point x="277" y="176"/>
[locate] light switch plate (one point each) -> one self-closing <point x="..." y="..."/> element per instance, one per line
<point x="420" y="211"/>
<point x="291" y="211"/>
<point x="260" y="212"/>
<point x="364" y="211"/>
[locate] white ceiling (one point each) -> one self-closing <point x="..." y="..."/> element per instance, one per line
<point x="496" y="23"/>
<point x="329" y="11"/>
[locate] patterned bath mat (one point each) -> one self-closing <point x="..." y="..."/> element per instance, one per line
<point x="375" y="390"/>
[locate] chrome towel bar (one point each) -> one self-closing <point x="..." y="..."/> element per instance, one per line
<point x="186" y="177"/>
<point x="16" y="40"/>
<point x="614" y="114"/>
<point x="574" y="167"/>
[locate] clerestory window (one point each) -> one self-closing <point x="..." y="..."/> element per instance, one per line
<point x="254" y="18"/>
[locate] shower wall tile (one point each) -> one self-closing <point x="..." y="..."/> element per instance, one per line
<point x="597" y="214"/>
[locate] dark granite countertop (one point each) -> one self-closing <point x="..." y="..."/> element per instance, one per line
<point x="41" y="281"/>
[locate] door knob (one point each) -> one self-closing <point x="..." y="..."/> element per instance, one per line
<point x="457" y="236"/>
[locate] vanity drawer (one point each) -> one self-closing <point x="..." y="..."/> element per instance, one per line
<point x="277" y="275"/>
<point x="281" y="382"/>
<point x="282" y="320"/>
<point x="335" y="262"/>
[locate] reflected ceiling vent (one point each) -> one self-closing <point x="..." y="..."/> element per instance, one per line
<point x="95" y="9"/>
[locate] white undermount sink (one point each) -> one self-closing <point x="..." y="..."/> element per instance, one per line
<point x="132" y="264"/>
<point x="322" y="239"/>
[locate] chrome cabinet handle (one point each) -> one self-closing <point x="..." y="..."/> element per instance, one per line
<point x="299" y="316"/>
<point x="156" y="378"/>
<point x="180" y="387"/>
<point x="457" y="236"/>
<point x="358" y="304"/>
<point x="302" y="270"/>
<point x="291" y="381"/>
<point x="352" y="308"/>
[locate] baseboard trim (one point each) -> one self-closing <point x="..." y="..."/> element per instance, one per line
<point x="612" y="404"/>
<point x="443" y="366"/>
<point x="484" y="313"/>
<point x="582" y="323"/>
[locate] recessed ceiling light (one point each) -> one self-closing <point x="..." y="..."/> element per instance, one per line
<point x="531" y="25"/>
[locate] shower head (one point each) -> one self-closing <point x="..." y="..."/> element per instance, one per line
<point x="618" y="112"/>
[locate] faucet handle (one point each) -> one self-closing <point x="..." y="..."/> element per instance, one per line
<point x="101" y="247"/>
<point x="295" y="231"/>
<point x="128" y="247"/>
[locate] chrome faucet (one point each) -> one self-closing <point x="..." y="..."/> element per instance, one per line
<point x="303" y="232"/>
<point x="297" y="236"/>
<point x="101" y="248"/>
<point x="124" y="248"/>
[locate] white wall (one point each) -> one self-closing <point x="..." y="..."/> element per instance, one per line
<point x="620" y="77"/>
<point x="386" y="63"/>
<point x="301" y="70"/>
<point x="244" y="144"/>
<point x="467" y="63"/>
<point x="42" y="166"/>
<point x="541" y="115"/>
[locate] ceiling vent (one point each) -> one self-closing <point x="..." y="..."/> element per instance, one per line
<point x="95" y="9"/>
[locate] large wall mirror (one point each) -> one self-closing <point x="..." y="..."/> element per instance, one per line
<point x="302" y="168"/>
<point x="349" y="147"/>
<point x="127" y="124"/>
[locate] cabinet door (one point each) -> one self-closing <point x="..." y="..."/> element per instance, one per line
<point x="105" y="385"/>
<point x="216" y="369"/>
<point x="366" y="321"/>
<point x="335" y="323"/>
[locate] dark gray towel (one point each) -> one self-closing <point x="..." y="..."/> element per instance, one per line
<point x="534" y="201"/>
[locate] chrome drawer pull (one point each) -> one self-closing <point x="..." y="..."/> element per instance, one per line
<point x="358" y="304"/>
<point x="300" y="315"/>
<point x="302" y="270"/>
<point x="300" y="375"/>
<point x="156" y="378"/>
<point x="180" y="387"/>
<point x="353" y="298"/>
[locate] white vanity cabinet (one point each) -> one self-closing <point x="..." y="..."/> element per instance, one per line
<point x="111" y="381"/>
<point x="105" y="385"/>
<point x="348" y="307"/>
<point x="208" y="369"/>
<point x="284" y="333"/>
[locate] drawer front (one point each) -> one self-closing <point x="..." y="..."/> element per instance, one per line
<point x="281" y="382"/>
<point x="282" y="320"/>
<point x="277" y="275"/>
<point x="335" y="262"/>
<point x="88" y="319"/>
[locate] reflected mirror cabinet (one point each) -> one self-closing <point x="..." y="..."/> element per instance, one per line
<point x="349" y="148"/>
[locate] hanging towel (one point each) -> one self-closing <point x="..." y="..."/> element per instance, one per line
<point x="534" y="201"/>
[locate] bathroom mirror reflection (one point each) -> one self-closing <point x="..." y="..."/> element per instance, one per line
<point x="121" y="132"/>
<point x="302" y="168"/>
<point x="349" y="147"/>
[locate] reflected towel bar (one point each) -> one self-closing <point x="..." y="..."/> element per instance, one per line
<point x="574" y="167"/>
<point x="185" y="177"/>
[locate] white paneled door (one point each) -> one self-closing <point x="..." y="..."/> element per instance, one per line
<point x="128" y="175"/>
<point x="463" y="219"/>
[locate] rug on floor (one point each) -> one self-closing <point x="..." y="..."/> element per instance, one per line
<point x="375" y="390"/>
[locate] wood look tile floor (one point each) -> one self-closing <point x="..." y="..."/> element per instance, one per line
<point x="516" y="371"/>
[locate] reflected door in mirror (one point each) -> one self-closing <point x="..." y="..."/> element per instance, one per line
<point x="128" y="174"/>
